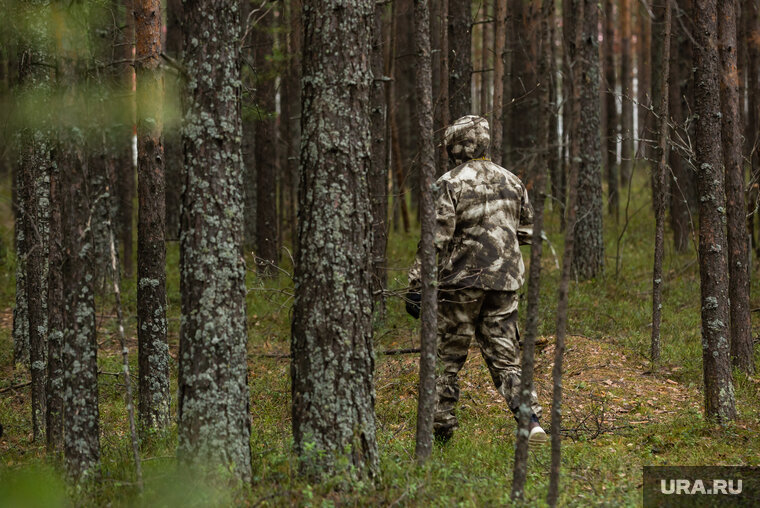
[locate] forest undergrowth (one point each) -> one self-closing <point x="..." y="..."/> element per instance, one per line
<point x="620" y="412"/>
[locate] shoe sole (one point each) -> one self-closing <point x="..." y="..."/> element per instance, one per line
<point x="537" y="439"/>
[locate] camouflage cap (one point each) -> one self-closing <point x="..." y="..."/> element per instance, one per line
<point x="466" y="139"/>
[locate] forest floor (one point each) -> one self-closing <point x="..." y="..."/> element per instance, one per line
<point x="619" y="413"/>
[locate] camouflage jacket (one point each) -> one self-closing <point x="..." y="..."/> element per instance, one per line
<point x="479" y="206"/>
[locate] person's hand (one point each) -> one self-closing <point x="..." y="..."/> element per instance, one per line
<point x="413" y="298"/>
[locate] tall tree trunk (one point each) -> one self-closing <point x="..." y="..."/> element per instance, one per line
<point x="713" y="269"/>
<point x="485" y="48"/>
<point x="626" y="82"/>
<point x="500" y="27"/>
<point x="460" y="63"/>
<point x="33" y="197"/>
<point x="56" y="313"/>
<point x="589" y="239"/>
<point x="647" y="130"/>
<point x="172" y="139"/>
<point x="396" y="165"/>
<point x="332" y="368"/>
<point x="683" y="179"/>
<point x="751" y="21"/>
<point x="742" y="353"/>
<point x="573" y="41"/>
<point x="662" y="61"/>
<point x="378" y="178"/>
<point x="127" y="162"/>
<point x="429" y="304"/>
<point x="524" y="129"/>
<point x="534" y="275"/>
<point x="21" y="310"/>
<point x="609" y="137"/>
<point x="80" y="368"/>
<point x="266" y="168"/>
<point x="153" y="344"/>
<point x="213" y="406"/>
<point x="442" y="110"/>
<point x="35" y="164"/>
<point x="289" y="117"/>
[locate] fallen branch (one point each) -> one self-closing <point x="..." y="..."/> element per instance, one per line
<point x="15" y="387"/>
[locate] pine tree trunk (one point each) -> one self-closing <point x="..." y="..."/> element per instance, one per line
<point x="610" y="141"/>
<point x="153" y="344"/>
<point x="33" y="196"/>
<point x="21" y="310"/>
<point x="713" y="269"/>
<point x="484" y="73"/>
<point x="429" y="305"/>
<point x="378" y="179"/>
<point x="534" y="275"/>
<point x="126" y="169"/>
<point x="460" y="63"/>
<point x="56" y="314"/>
<point x="172" y="140"/>
<point x="500" y="27"/>
<point x="79" y="358"/>
<point x="213" y="406"/>
<point x="442" y="110"/>
<point x="524" y="129"/>
<point x="266" y="170"/>
<point x="661" y="180"/>
<point x="332" y="368"/>
<point x="683" y="179"/>
<point x="589" y="240"/>
<point x="647" y="130"/>
<point x="752" y="29"/>
<point x="742" y="353"/>
<point x="574" y="12"/>
<point x="626" y="81"/>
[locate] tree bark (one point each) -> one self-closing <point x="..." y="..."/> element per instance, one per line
<point x="742" y="352"/>
<point x="520" y="471"/>
<point x="683" y="179"/>
<point x="153" y="344"/>
<point x="264" y="148"/>
<point x="524" y="129"/>
<point x="460" y="60"/>
<point x="610" y="140"/>
<point x="429" y="305"/>
<point x="626" y="82"/>
<point x="442" y="110"/>
<point x="172" y="140"/>
<point x="213" y="406"/>
<point x="332" y="368"/>
<point x="645" y="72"/>
<point x="378" y="178"/>
<point x="589" y="239"/>
<point x="662" y="62"/>
<point x="575" y="15"/>
<point x="500" y="28"/>
<point x="751" y="22"/>
<point x="21" y="310"/>
<point x="56" y="323"/>
<point x="127" y="162"/>
<point x="713" y="269"/>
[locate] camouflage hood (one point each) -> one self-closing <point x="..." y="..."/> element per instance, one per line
<point x="467" y="138"/>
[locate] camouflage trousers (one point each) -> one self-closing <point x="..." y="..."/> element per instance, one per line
<point x="491" y="316"/>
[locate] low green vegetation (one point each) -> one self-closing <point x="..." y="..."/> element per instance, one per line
<point x="619" y="413"/>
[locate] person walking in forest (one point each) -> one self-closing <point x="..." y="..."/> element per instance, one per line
<point x="479" y="208"/>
